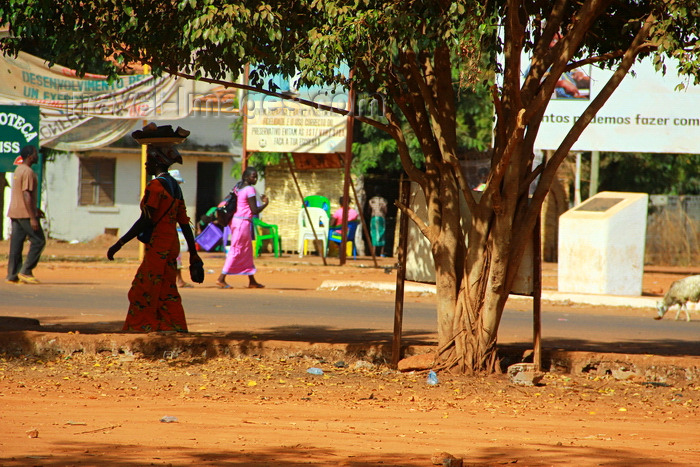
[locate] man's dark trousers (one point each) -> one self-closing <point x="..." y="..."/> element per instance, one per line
<point x="21" y="229"/>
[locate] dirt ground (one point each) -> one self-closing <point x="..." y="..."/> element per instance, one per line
<point x="267" y="409"/>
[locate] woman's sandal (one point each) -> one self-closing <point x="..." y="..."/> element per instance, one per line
<point x="223" y="286"/>
<point x="255" y="286"/>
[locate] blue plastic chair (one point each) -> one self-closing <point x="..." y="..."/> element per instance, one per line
<point x="337" y="237"/>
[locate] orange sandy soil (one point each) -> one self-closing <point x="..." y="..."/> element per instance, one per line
<point x="106" y="409"/>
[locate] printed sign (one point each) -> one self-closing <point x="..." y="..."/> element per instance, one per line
<point x="281" y="125"/>
<point x="644" y="114"/>
<point x="19" y="127"/>
<point x="80" y="113"/>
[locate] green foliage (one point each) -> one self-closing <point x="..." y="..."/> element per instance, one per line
<point x="405" y="51"/>
<point x="310" y="36"/>
<point x="261" y="160"/>
<point x="656" y="174"/>
<point x="375" y="152"/>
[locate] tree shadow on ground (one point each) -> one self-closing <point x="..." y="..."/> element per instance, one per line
<point x="14" y="328"/>
<point x="307" y="334"/>
<point x="69" y="338"/>
<point x="306" y="454"/>
<point x="638" y="347"/>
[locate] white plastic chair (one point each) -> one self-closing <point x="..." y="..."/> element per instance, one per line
<point x="320" y="222"/>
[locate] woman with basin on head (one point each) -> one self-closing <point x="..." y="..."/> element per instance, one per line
<point x="154" y="301"/>
<point x="239" y="259"/>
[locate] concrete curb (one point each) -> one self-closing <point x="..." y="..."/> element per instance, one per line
<point x="389" y="286"/>
<point x="549" y="295"/>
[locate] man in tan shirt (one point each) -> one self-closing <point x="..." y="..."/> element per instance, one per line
<point x="25" y="216"/>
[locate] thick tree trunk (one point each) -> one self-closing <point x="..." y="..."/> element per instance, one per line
<point x="448" y="254"/>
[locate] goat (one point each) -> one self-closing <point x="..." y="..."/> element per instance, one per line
<point x="681" y="292"/>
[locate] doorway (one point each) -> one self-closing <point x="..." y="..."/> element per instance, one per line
<point x="387" y="186"/>
<point x="208" y="186"/>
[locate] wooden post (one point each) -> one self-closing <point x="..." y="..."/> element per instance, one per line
<point x="244" y="115"/>
<point x="595" y="169"/>
<point x="142" y="247"/>
<point x="405" y="198"/>
<point x="308" y="216"/>
<point x="346" y="179"/>
<point x="346" y="203"/>
<point x="368" y="238"/>
<point x="144" y="175"/>
<point x="537" y="294"/>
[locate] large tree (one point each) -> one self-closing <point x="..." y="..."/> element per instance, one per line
<point x="405" y="51"/>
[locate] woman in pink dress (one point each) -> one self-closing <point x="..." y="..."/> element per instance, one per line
<point x="239" y="259"/>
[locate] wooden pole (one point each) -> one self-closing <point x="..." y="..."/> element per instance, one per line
<point x="346" y="203"/>
<point x="577" y="180"/>
<point x="144" y="175"/>
<point x="142" y="247"/>
<point x="308" y="216"/>
<point x="346" y="179"/>
<point x="405" y="197"/>
<point x="595" y="169"/>
<point x="368" y="238"/>
<point x="537" y="294"/>
<point x="244" y="115"/>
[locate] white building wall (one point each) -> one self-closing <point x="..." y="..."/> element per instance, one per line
<point x="69" y="221"/>
<point x="66" y="220"/>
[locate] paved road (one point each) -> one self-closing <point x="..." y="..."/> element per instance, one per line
<point x="278" y="315"/>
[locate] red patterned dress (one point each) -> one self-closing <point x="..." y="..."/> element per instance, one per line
<point x="154" y="302"/>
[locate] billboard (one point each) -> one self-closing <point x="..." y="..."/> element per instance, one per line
<point x="274" y="124"/>
<point x="644" y="114"/>
<point x="19" y="127"/>
<point x="81" y="113"/>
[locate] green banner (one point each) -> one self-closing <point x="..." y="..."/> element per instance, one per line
<point x="19" y="127"/>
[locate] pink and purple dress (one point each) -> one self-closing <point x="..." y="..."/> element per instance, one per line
<point x="239" y="259"/>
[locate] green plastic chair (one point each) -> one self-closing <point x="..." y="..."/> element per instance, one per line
<point x="260" y="236"/>
<point x="318" y="201"/>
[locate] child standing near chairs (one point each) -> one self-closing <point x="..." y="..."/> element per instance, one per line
<point x="337" y="217"/>
<point x="337" y="221"/>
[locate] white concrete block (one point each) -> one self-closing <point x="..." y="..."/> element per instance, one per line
<point x="601" y="245"/>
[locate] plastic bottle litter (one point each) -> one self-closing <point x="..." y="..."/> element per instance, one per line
<point x="315" y="371"/>
<point x="432" y="379"/>
<point x="169" y="419"/>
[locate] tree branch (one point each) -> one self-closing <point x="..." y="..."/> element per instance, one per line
<point x="426" y="230"/>
<point x="525" y="185"/>
<point x="514" y="32"/>
<point x="574" y="133"/>
<point x="441" y="118"/>
<point x="404" y="154"/>
<point x="500" y="169"/>
<point x="541" y="55"/>
<point x="566" y="48"/>
<point x="246" y="87"/>
<point x="596" y="59"/>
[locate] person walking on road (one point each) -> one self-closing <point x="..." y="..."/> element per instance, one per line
<point x="239" y="259"/>
<point x="154" y="301"/>
<point x="25" y="216"/>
